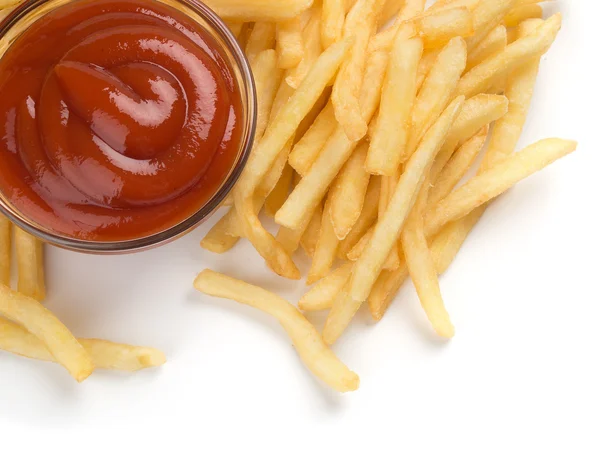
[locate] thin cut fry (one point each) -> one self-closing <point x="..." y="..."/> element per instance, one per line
<point x="333" y="22"/>
<point x="40" y="322"/>
<point x="360" y="26"/>
<point x="312" y="50"/>
<point x="369" y="265"/>
<point x="311" y="234"/>
<point x="5" y="250"/>
<point x="492" y="44"/>
<point x="482" y="77"/>
<point x="326" y="248"/>
<point x="104" y="354"/>
<point x="289" y="44"/>
<point x="319" y="359"/>
<point x="258" y="10"/>
<point x="495" y="181"/>
<point x="280" y="192"/>
<point x="348" y="192"/>
<point x="30" y="263"/>
<point x="262" y="38"/>
<point x="521" y="13"/>
<point x="322" y="294"/>
<point x="391" y="262"/>
<point x="438" y="29"/>
<point x="384" y="290"/>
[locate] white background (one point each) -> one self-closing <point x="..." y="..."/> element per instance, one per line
<point x="522" y="372"/>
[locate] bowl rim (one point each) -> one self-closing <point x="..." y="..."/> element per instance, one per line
<point x="239" y="62"/>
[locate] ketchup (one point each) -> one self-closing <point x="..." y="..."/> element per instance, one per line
<point x="118" y="119"/>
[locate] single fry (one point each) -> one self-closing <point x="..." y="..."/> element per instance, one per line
<point x="313" y="186"/>
<point x="289" y="43"/>
<point x="521" y="13"/>
<point x="306" y="150"/>
<point x="495" y="181"/>
<point x="312" y="49"/>
<point x="5" y="250"/>
<point x="280" y="192"/>
<point x="437" y="29"/>
<point x="30" y="263"/>
<point x="457" y="167"/>
<point x="321" y="295"/>
<point x="262" y="38"/>
<point x="387" y="230"/>
<point x="258" y="10"/>
<point x="491" y="45"/>
<point x="319" y="359"/>
<point x="281" y="129"/>
<point x="104" y="354"/>
<point x="326" y="249"/>
<point x="267" y="78"/>
<point x="37" y="320"/>
<point x="486" y="16"/>
<point x="311" y="234"/>
<point x="390" y="135"/>
<point x="348" y="192"/>
<point x="359" y="26"/>
<point x="482" y="77"/>
<point x="333" y="22"/>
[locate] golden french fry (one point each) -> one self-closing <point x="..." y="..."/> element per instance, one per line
<point x="326" y="249"/>
<point x="275" y="172"/>
<point x="391" y="262"/>
<point x="5" y="250"/>
<point x="306" y="150"/>
<point x="30" y="263"/>
<point x="258" y="10"/>
<point x="495" y="181"/>
<point x="360" y="25"/>
<point x="40" y="322"/>
<point x="367" y="217"/>
<point x="384" y="290"/>
<point x="104" y="354"/>
<point x="422" y="269"/>
<point x="280" y="192"/>
<point x="262" y="38"/>
<point x="388" y="186"/>
<point x="289" y="43"/>
<point x="491" y="45"/>
<point x="312" y="49"/>
<point x="425" y="65"/>
<point x="217" y="240"/>
<point x="387" y="230"/>
<point x="313" y="186"/>
<point x="319" y="359"/>
<point x="523" y="12"/>
<point x="347" y="194"/>
<point x="437" y="90"/>
<point x="322" y="294"/>
<point x="278" y="133"/>
<point x="399" y="91"/>
<point x="311" y="234"/>
<point x="482" y="77"/>
<point x="333" y="22"/>
<point x="486" y="16"/>
<point x="437" y="29"/>
<point x="476" y="113"/>
<point x="457" y="167"/>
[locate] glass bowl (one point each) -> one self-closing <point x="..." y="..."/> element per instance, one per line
<point x="27" y="13"/>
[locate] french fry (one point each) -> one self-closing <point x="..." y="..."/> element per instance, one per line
<point x="321" y="295"/>
<point x="367" y="217"/>
<point x="289" y="43"/>
<point x="306" y="150"/>
<point x="491" y="45"/>
<point x="447" y="4"/>
<point x="262" y="38"/>
<point x="278" y="133"/>
<point x="360" y="25"/>
<point x="388" y="186"/>
<point x="309" y="238"/>
<point x="30" y="263"/>
<point x="347" y="193"/>
<point x="5" y="250"/>
<point x="425" y="65"/>
<point x="482" y="77"/>
<point x="457" y="167"/>
<point x="437" y="90"/>
<point x="37" y="320"/>
<point x="312" y="49"/>
<point x="387" y="230"/>
<point x="104" y="354"/>
<point x="495" y="181"/>
<point x="391" y="9"/>
<point x="476" y="113"/>
<point x="275" y="172"/>
<point x="438" y="29"/>
<point x="391" y="262"/>
<point x="523" y="12"/>
<point x="384" y="290"/>
<point x="326" y="249"/>
<point x="280" y="192"/>
<point x="399" y="91"/>
<point x="319" y="359"/>
<point x="313" y="186"/>
<point x="258" y="10"/>
<point x="411" y="11"/>
<point x="333" y="22"/>
<point x="422" y="269"/>
<point x="486" y="16"/>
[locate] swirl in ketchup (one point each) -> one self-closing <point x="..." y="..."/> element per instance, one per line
<point x="118" y="119"/>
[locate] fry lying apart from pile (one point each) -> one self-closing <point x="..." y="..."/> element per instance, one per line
<point x="364" y="135"/>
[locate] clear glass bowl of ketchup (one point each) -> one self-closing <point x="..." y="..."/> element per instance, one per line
<point x="123" y="123"/>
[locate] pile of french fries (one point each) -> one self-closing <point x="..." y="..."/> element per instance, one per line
<point x="365" y="131"/>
